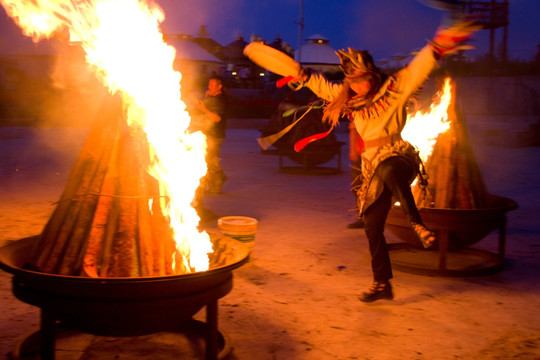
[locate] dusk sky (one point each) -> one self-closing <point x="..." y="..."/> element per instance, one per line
<point x="384" y="27"/>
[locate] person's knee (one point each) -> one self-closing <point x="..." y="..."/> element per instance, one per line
<point x="394" y="171"/>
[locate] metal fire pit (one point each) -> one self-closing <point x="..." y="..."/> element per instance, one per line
<point x="122" y="306"/>
<point x="456" y="230"/>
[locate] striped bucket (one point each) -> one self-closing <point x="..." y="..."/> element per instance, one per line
<point x="240" y="228"/>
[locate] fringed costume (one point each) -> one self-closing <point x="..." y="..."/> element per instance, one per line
<point x="389" y="163"/>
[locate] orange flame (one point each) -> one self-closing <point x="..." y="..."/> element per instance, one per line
<point x="423" y="128"/>
<point x="122" y="42"/>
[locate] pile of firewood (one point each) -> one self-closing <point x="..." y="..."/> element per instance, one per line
<point x="454" y="178"/>
<point x="108" y="221"/>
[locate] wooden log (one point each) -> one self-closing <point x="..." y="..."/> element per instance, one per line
<point x="105" y="253"/>
<point x="443" y="170"/>
<point x="69" y="262"/>
<point x="163" y="240"/>
<point x="98" y="228"/>
<point x="145" y="235"/>
<point x="53" y="237"/>
<point x="477" y="184"/>
<point x="57" y="231"/>
<point x="123" y="242"/>
<point x="74" y="253"/>
<point x="144" y="238"/>
<point x="464" y="188"/>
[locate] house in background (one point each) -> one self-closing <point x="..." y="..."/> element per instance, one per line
<point x="239" y="70"/>
<point x="194" y="62"/>
<point x="317" y="54"/>
<point x="204" y="40"/>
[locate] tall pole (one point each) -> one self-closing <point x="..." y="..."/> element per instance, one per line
<point x="505" y="33"/>
<point x="300" y="28"/>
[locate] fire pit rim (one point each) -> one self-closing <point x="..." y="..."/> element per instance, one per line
<point x="465" y="226"/>
<point x="7" y="264"/>
<point x="106" y="306"/>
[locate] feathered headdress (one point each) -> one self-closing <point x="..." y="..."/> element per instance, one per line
<point x="356" y="63"/>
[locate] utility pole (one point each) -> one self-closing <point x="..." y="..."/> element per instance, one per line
<point x="300" y="28"/>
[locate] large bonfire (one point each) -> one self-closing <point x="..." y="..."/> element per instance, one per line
<point x="127" y="208"/>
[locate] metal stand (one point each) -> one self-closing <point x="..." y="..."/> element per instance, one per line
<point x="122" y="307"/>
<point x="43" y="341"/>
<point x="463" y="262"/>
<point x="457" y="230"/>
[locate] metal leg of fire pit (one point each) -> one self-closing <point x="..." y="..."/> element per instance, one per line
<point x="48" y="327"/>
<point x="212" y="336"/>
<point x="408" y="258"/>
<point x="47" y="335"/>
<point x="502" y="239"/>
<point x="457" y="230"/>
<point x="444" y="239"/>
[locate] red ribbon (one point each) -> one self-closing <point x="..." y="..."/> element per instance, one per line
<point x="359" y="144"/>
<point x="282" y="82"/>
<point x="301" y="144"/>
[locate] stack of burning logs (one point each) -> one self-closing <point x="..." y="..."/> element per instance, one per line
<point x="454" y="178"/>
<point x="109" y="221"/>
<point x="103" y="218"/>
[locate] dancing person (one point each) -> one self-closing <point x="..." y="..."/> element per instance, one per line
<point x="377" y="104"/>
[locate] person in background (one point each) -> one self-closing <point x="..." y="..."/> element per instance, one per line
<point x="377" y="104"/>
<point x="214" y="109"/>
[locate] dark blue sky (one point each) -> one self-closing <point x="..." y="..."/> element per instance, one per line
<point x="384" y="27"/>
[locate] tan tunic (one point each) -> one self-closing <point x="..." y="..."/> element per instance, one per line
<point x="381" y="121"/>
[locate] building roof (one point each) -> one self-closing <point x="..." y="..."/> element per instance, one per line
<point x="239" y="42"/>
<point x="282" y="46"/>
<point x="204" y="40"/>
<point x="317" y="51"/>
<point x="189" y="50"/>
<point x="235" y="49"/>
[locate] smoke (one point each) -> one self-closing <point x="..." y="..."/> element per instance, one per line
<point x="45" y="83"/>
<point x="76" y="94"/>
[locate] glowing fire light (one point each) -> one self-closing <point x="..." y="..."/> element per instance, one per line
<point x="122" y="42"/>
<point x="423" y="128"/>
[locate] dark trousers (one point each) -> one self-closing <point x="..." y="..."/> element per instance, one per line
<point x="395" y="173"/>
<point x="215" y="175"/>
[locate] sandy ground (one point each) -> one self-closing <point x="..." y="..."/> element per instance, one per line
<point x="297" y="298"/>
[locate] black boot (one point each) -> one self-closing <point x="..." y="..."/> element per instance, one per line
<point x="377" y="291"/>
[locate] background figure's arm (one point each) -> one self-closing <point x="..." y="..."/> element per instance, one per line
<point x="212" y="110"/>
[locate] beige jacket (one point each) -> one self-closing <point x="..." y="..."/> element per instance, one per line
<point x="380" y="122"/>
